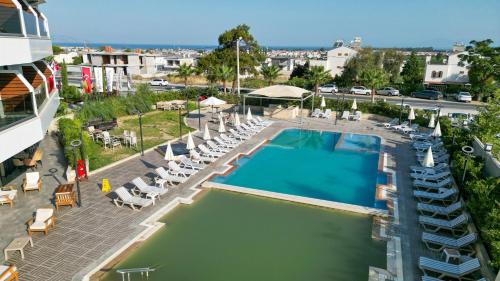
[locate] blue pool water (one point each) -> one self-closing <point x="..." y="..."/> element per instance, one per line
<point x="313" y="164"/>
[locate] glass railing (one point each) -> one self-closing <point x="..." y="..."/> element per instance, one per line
<point x="40" y="95"/>
<point x="41" y="26"/>
<point x="30" y="24"/>
<point x="15" y="109"/>
<point x="10" y="22"/>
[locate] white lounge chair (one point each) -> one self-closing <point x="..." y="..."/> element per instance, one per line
<point x="228" y="139"/>
<point x="430" y="278"/>
<point x="43" y="221"/>
<point x="189" y="164"/>
<point x="393" y="122"/>
<point x="256" y="123"/>
<point x="316" y="113"/>
<point x="413" y="128"/>
<point x="239" y="136"/>
<point x="195" y="156"/>
<point x="165" y="176"/>
<point x="327" y="114"/>
<point x="9" y="273"/>
<point x="435" y="210"/>
<point x="247" y="128"/>
<point x="264" y="122"/>
<point x="357" y="116"/>
<point x="224" y="144"/>
<point x="441" y="167"/>
<point x="32" y="181"/>
<point x="431" y="176"/>
<point x="243" y="131"/>
<point x="216" y="148"/>
<point x="428" y="185"/>
<point x="435" y="154"/>
<point x="149" y="190"/>
<point x="420" y="136"/>
<point x="441" y="159"/>
<point x="444" y="269"/>
<point x="207" y="152"/>
<point x="176" y="170"/>
<point x="434" y="225"/>
<point x="125" y="198"/>
<point x="345" y="115"/>
<point x="400" y="126"/>
<point x="7" y="196"/>
<point x="444" y="195"/>
<point x="439" y="242"/>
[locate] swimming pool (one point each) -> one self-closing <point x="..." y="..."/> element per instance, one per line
<point x="322" y="165"/>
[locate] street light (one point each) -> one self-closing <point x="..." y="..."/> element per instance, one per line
<point x="139" y="114"/>
<point x="74" y="145"/>
<point x="82" y="152"/>
<point x="199" y="113"/>
<point x="401" y="110"/>
<point x="238" y="64"/>
<point x="180" y="124"/>
<point x="467" y="151"/>
<point x="338" y="109"/>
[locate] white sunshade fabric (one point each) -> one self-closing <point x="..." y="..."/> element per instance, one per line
<point x="280" y="91"/>
<point x="429" y="159"/>
<point x="169" y="154"/>
<point x="411" y="115"/>
<point x="212" y="101"/>
<point x="190" y="143"/>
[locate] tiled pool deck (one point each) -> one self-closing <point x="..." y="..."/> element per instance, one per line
<point x="85" y="237"/>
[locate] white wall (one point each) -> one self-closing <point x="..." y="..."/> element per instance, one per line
<point x="453" y="72"/>
<point x="20" y="50"/>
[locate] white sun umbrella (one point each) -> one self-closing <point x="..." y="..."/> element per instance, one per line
<point x="249" y="114"/>
<point x="169" y="154"/>
<point x="206" y="134"/>
<point x="212" y="101"/>
<point x="237" y="119"/>
<point x="432" y="122"/>
<point x="411" y="115"/>
<point x="428" y="159"/>
<point x="222" y="128"/>
<point x="190" y="143"/>
<point x="323" y="102"/>
<point x="354" y="105"/>
<point x="437" y="131"/>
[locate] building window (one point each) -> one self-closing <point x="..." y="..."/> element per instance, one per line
<point x="339" y="54"/>
<point x="11" y="22"/>
<point x="440" y="74"/>
<point x="462" y="72"/>
<point x="346" y="54"/>
<point x="433" y="75"/>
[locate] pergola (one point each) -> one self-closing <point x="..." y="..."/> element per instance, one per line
<point x="280" y="92"/>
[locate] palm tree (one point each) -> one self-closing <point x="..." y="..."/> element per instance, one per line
<point x="373" y="78"/>
<point x="224" y="73"/>
<point x="270" y="73"/>
<point x="317" y="75"/>
<point x="184" y="72"/>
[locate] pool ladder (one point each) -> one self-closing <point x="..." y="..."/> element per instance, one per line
<point x="128" y="271"/>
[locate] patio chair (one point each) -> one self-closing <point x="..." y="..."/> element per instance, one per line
<point x="195" y="156"/>
<point x="425" y="147"/>
<point x="345" y="115"/>
<point x="440" y="167"/>
<point x="35" y="159"/>
<point x="224" y="144"/>
<point x="189" y="164"/>
<point x="316" y="113"/>
<point x="431" y="176"/>
<point x="239" y="136"/>
<point x="439" y="242"/>
<point x="443" y="269"/>
<point x="357" y="116"/>
<point x="444" y="195"/>
<point x="251" y="125"/>
<point x="420" y="136"/>
<point x="165" y="176"/>
<point x="413" y="128"/>
<point x="264" y="122"/>
<point x="400" y="126"/>
<point x="207" y="152"/>
<point x="256" y="124"/>
<point x="435" y="153"/>
<point x="32" y="181"/>
<point x="217" y="148"/>
<point x="151" y="191"/>
<point x="8" y="196"/>
<point x="327" y="114"/>
<point x="249" y="129"/>
<point x="9" y="273"/>
<point x="135" y="202"/>
<point x="434" y="225"/>
<point x="176" y="170"/>
<point x="435" y="210"/>
<point x="228" y="139"/>
<point x="393" y="122"/>
<point x="43" y="221"/>
<point x="428" y="185"/>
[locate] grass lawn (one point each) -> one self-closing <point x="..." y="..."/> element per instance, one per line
<point x="158" y="127"/>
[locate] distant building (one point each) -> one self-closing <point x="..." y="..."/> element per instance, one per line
<point x="134" y="63"/>
<point x="171" y="64"/>
<point x="450" y="71"/>
<point x="66" y="57"/>
<point x="337" y="58"/>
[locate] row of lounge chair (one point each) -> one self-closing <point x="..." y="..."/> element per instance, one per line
<point x="442" y="215"/>
<point x="317" y="113"/>
<point x="404" y="127"/>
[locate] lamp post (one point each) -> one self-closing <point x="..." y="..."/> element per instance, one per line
<point x="199" y="114"/>
<point x="467" y="151"/>
<point x="180" y="124"/>
<point x="238" y="65"/>
<point x="139" y="114"/>
<point x="401" y="109"/>
<point x="82" y="152"/>
<point x="74" y="145"/>
<point x="338" y="109"/>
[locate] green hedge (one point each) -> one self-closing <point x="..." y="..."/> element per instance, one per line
<point x="70" y="129"/>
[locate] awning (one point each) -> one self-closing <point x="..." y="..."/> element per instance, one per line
<point x="8" y="4"/>
<point x="280" y="91"/>
<point x="47" y="72"/>
<point x="32" y="76"/>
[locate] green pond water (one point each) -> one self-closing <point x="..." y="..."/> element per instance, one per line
<point x="228" y="236"/>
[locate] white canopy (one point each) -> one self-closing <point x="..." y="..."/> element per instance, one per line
<point x="190" y="142"/>
<point x="237" y="119"/>
<point x="411" y="115"/>
<point x="432" y="122"/>
<point x="323" y="103"/>
<point x="437" y="131"/>
<point x="249" y="114"/>
<point x="222" y="129"/>
<point x="354" y="105"/>
<point x="169" y="154"/>
<point x="280" y="91"/>
<point x="212" y="101"/>
<point x="429" y="159"/>
<point x="206" y="134"/>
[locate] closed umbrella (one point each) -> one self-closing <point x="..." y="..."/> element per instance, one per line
<point x="437" y="131"/>
<point x="411" y="116"/>
<point x="206" y="134"/>
<point x="237" y="119"/>
<point x="428" y="159"/>
<point x="354" y="105"/>
<point x="222" y="129"/>
<point x="323" y="102"/>
<point x="169" y="154"/>
<point x="432" y="122"/>
<point x="249" y="115"/>
<point x="190" y="142"/>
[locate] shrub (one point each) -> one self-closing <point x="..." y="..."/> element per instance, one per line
<point x="69" y="130"/>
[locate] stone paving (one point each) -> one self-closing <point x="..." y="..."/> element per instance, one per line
<point x="84" y="237"/>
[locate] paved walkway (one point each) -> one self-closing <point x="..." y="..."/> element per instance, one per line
<point x="84" y="237"/>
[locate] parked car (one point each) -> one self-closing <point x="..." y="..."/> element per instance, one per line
<point x="158" y="82"/>
<point x="329" y="88"/>
<point x="428" y="94"/>
<point x="463" y="96"/>
<point x="388" y="91"/>
<point x="360" y="90"/>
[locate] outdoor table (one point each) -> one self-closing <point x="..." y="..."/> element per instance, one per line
<point x="451" y="254"/>
<point x="18" y="244"/>
<point x="64" y="195"/>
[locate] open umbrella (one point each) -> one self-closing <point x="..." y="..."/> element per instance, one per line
<point x="411" y="115"/>
<point x="206" y="134"/>
<point x="428" y="159"/>
<point x="237" y="119"/>
<point x="432" y="122"/>
<point x="212" y="101"/>
<point x="437" y="131"/>
<point x="249" y="115"/>
<point x="222" y="129"/>
<point x="323" y="102"/>
<point x="169" y="154"/>
<point x="354" y="105"/>
<point x="190" y="142"/>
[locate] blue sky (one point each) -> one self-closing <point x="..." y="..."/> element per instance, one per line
<point x="382" y="23"/>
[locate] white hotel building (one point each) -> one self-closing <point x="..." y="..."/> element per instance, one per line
<point x="28" y="96"/>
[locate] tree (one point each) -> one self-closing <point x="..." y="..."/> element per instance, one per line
<point x="300" y="71"/>
<point x="412" y="74"/>
<point x="77" y="60"/>
<point x="366" y="58"/>
<point x="392" y="62"/>
<point x="184" y="72"/>
<point x="56" y="50"/>
<point x="374" y="78"/>
<point x="317" y="75"/>
<point x="224" y="73"/>
<point x="270" y="73"/>
<point x="64" y="75"/>
<point x="484" y="67"/>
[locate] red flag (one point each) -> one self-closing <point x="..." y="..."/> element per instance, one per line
<point x="86" y="79"/>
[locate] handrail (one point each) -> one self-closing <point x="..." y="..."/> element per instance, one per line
<point x="140" y="270"/>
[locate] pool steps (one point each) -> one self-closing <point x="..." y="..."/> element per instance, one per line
<point x="143" y="271"/>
